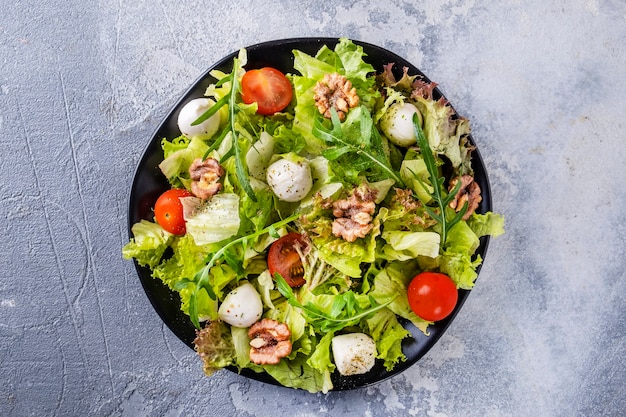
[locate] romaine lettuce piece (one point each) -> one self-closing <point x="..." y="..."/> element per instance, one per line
<point x="211" y="221"/>
<point x="462" y="239"/>
<point x="241" y="343"/>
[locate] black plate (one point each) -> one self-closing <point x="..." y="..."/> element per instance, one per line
<point x="149" y="183"/>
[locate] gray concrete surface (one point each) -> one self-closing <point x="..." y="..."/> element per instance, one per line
<point x="82" y="88"/>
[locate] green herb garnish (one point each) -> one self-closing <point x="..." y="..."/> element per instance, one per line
<point x="231" y="128"/>
<point x="344" y="312"/>
<point x="437" y="183"/>
<point x="365" y="145"/>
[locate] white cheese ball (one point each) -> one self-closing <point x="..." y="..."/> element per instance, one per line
<point x="259" y="155"/>
<point x="354" y="353"/>
<point x="397" y="124"/>
<point x="242" y="307"/>
<point x="190" y="113"/>
<point x="290" y="181"/>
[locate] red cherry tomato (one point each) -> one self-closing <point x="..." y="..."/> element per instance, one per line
<point x="432" y="295"/>
<point x="267" y="87"/>
<point x="283" y="258"/>
<point x="168" y="211"/>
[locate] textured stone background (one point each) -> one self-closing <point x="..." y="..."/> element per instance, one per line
<point x="82" y="89"/>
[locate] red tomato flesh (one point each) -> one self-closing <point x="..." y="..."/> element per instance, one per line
<point x="432" y="295"/>
<point x="168" y="211"/>
<point x="267" y="87"/>
<point x="283" y="258"/>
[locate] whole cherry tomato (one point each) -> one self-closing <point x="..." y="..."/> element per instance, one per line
<point x="168" y="211"/>
<point x="432" y="295"/>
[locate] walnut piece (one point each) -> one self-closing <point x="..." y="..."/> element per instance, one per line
<point x="405" y="198"/>
<point x="353" y="215"/>
<point x="205" y="176"/>
<point x="469" y="192"/>
<point x="335" y="90"/>
<point x="269" y="342"/>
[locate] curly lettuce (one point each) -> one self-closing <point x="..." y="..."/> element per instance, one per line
<point x="148" y="244"/>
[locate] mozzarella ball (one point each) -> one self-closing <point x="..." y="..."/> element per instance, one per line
<point x="354" y="353"/>
<point x="190" y="113"/>
<point x="290" y="181"/>
<point x="259" y="155"/>
<point x="397" y="124"/>
<point x="242" y="307"/>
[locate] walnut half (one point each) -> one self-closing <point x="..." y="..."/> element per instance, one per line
<point x="469" y="192"/>
<point x="205" y="176"/>
<point x="353" y="215"/>
<point x="335" y="91"/>
<point x="269" y="342"/>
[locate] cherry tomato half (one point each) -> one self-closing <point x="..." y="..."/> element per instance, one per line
<point x="267" y="87"/>
<point x="283" y="258"/>
<point x="168" y="211"/>
<point x="432" y="295"/>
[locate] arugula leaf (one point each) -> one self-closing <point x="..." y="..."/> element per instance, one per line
<point x="437" y="184"/>
<point x="231" y="100"/>
<point x="359" y="141"/>
<point x="345" y="311"/>
<point x="212" y="110"/>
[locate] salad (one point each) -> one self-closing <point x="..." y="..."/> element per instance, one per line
<point x="312" y="213"/>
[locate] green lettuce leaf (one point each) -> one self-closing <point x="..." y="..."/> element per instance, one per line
<point x="391" y="283"/>
<point x="177" y="144"/>
<point x="456" y="260"/>
<point x="415" y="174"/>
<point x="284" y="312"/>
<point x="241" y="343"/>
<point x="462" y="239"/>
<point x="403" y="246"/>
<point x="320" y="359"/>
<point x="255" y="215"/>
<point x="205" y="305"/>
<point x="460" y="268"/>
<point x="297" y="373"/>
<point x="214" y="220"/>
<point x="176" y="164"/>
<point x="346" y="59"/>
<point x="148" y="244"/>
<point x="388" y="334"/>
<point x="487" y="224"/>
<point x="214" y="344"/>
<point x="186" y="259"/>
<point x="446" y="133"/>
